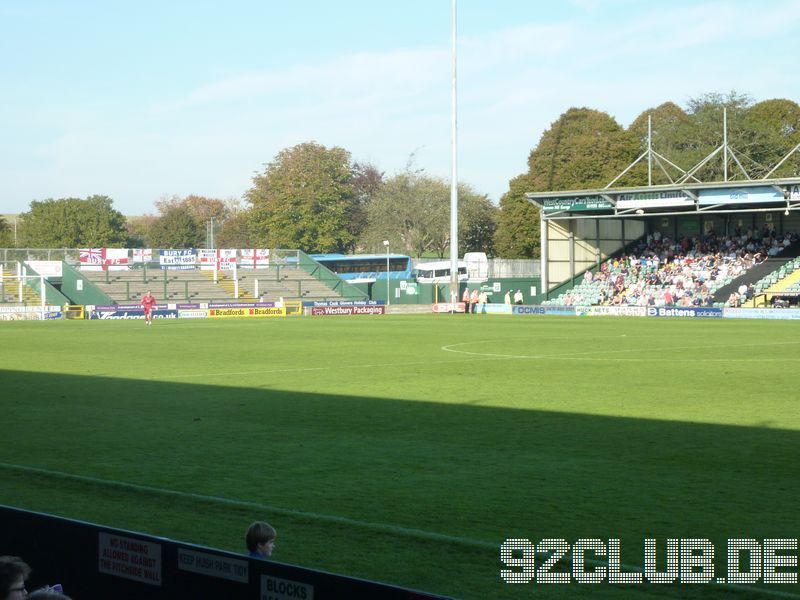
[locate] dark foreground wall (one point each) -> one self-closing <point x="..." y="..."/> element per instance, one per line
<point x="94" y="562"/>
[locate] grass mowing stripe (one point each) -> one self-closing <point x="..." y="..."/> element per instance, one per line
<point x="340" y="367"/>
<point x="380" y="527"/>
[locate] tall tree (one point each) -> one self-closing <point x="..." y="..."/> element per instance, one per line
<point x="518" y="232"/>
<point x="139" y="230"/>
<point x="407" y="212"/>
<point x="234" y="231"/>
<point x="176" y="228"/>
<point x="304" y="199"/>
<point x="201" y="208"/>
<point x="367" y="181"/>
<point x="412" y="211"/>
<point x="584" y="148"/>
<point x="6" y="234"/>
<point x="698" y="137"/>
<point x="771" y="129"/>
<point x="477" y="222"/>
<point x="73" y="223"/>
<point x="667" y="121"/>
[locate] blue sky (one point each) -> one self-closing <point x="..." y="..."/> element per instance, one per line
<point x="141" y="100"/>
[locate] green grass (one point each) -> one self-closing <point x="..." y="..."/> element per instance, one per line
<point x="405" y="449"/>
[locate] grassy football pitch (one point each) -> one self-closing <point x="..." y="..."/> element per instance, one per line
<point x="406" y="449"/>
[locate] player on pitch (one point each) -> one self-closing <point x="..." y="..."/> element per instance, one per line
<point x="148" y="303"/>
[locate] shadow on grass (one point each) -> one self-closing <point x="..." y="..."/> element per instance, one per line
<point x="455" y="480"/>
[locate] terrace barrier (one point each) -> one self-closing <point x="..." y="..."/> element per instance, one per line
<point x="96" y="562"/>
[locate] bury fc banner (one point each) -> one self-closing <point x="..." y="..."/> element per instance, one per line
<point x="102" y="259"/>
<point x="220" y="259"/>
<point x="177" y="259"/>
<point x="254" y="257"/>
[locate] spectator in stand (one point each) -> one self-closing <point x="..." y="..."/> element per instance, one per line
<point x="13" y="573"/>
<point x="47" y="593"/>
<point x="682" y="271"/>
<point x="260" y="539"/>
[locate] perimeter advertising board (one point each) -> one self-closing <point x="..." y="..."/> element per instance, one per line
<point x="347" y="307"/>
<point x="131" y="311"/>
<point x="267" y="311"/>
<point x="784" y="314"/>
<point x="318" y="311"/>
<point x="543" y="310"/>
<point x="449" y="307"/>
<point x="684" y="312"/>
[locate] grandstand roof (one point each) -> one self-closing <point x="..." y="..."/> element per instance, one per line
<point x="753" y="195"/>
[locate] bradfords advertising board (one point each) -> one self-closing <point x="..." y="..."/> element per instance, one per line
<point x="273" y="311"/>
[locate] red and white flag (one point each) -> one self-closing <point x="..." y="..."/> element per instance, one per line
<point x="254" y="257"/>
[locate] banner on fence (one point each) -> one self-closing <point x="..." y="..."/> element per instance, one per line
<point x="177" y="259"/>
<point x="102" y="259"/>
<point x="142" y="255"/>
<point x="254" y="257"/>
<point x="220" y="259"/>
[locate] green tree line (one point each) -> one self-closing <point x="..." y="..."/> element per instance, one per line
<point x="318" y="199"/>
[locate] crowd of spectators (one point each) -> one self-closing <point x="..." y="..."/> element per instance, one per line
<point x="661" y="271"/>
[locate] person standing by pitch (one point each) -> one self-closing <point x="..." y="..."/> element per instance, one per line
<point x="148" y="304"/>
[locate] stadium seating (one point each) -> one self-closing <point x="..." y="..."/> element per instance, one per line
<point x="686" y="272"/>
<point x="194" y="285"/>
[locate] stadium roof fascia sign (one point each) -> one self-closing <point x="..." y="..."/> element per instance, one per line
<point x="722" y="196"/>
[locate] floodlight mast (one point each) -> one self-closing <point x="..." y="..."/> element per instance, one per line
<point x="454" y="177"/>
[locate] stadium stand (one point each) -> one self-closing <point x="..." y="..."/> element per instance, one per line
<point x="10" y="291"/>
<point x="195" y="285"/>
<point x="705" y="270"/>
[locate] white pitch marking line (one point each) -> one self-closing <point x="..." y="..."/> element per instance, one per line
<point x="592" y="355"/>
<point x="384" y="527"/>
